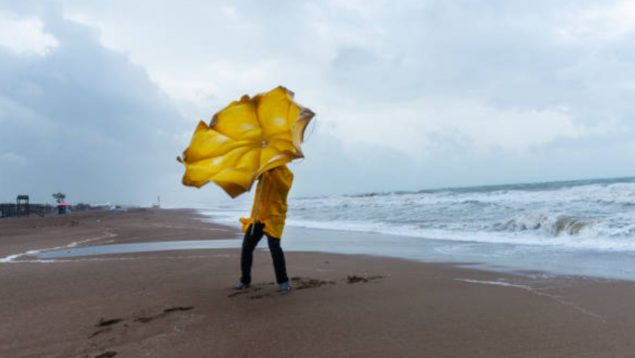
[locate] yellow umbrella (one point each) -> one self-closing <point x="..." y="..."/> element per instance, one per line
<point x="244" y="140"/>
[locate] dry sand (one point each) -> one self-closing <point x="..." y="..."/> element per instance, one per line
<point x="180" y="303"/>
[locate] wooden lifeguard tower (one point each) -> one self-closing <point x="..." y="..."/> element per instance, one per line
<point x="23" y="208"/>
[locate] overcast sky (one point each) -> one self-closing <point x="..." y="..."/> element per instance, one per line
<point x="98" y="98"/>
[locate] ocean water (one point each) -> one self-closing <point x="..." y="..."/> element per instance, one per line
<point x="585" y="226"/>
<point x="589" y="214"/>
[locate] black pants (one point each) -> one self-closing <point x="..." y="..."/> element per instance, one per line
<point x="247" y="255"/>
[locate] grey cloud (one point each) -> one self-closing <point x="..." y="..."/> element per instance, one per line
<point x="83" y="120"/>
<point x="504" y="53"/>
<point x="85" y="117"/>
<point x="332" y="169"/>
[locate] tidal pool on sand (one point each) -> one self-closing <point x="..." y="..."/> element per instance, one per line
<point x="136" y="247"/>
<point x="489" y="256"/>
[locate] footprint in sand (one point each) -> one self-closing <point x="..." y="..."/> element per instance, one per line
<point x="108" y="322"/>
<point x="110" y="325"/>
<point x="357" y="279"/>
<point x="244" y="292"/>
<point x="300" y="283"/>
<point x="104" y="326"/>
<point x="165" y="312"/>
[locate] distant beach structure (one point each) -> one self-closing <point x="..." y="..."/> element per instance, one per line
<point x="62" y="206"/>
<point x="8" y="210"/>
<point x="22" y="207"/>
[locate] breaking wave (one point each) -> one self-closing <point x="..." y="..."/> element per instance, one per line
<point x="590" y="214"/>
<point x="549" y="226"/>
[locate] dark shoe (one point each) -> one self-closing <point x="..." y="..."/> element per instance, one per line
<point x="284" y="287"/>
<point x="241" y="286"/>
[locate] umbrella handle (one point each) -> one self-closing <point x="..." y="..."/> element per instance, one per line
<point x="257" y="203"/>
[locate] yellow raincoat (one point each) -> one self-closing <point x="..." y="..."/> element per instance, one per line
<point x="270" y="201"/>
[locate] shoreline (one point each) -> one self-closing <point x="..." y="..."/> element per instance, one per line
<point x="180" y="303"/>
<point x="489" y="256"/>
<point x="335" y="241"/>
<point x="297" y="239"/>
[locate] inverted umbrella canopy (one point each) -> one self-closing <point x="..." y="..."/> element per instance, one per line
<point x="244" y="140"/>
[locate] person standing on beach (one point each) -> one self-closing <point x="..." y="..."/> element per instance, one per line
<point x="268" y="214"/>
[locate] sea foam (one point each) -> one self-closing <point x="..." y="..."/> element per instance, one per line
<point x="590" y="214"/>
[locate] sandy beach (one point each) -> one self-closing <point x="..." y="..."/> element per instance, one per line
<point x="181" y="303"/>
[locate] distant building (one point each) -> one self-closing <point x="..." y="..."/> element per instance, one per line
<point x="22" y="207"/>
<point x="8" y="210"/>
<point x="63" y="208"/>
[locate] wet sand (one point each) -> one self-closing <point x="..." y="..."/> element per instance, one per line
<point x="180" y="303"/>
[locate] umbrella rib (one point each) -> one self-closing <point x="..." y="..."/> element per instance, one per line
<point x="289" y="110"/>
<point x="223" y="133"/>
<point x="239" y="157"/>
<point x="212" y="126"/>
<point x="258" y="99"/>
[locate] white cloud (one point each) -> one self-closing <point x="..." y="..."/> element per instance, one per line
<point x="447" y="93"/>
<point x="408" y="126"/>
<point x="600" y="22"/>
<point x="25" y="35"/>
<point x="83" y="117"/>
